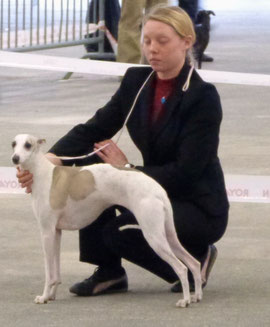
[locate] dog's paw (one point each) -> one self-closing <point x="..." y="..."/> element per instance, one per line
<point x="52" y="297"/>
<point x="40" y="299"/>
<point x="196" y="298"/>
<point x="183" y="303"/>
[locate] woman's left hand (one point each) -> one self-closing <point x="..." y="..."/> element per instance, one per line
<point x="111" y="154"/>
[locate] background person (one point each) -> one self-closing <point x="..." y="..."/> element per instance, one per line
<point x="111" y="17"/>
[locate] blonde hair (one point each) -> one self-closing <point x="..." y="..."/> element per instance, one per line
<point x="175" y="17"/>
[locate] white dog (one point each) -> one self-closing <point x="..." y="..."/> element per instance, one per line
<point x="73" y="197"/>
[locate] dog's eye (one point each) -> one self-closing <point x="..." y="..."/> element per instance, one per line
<point x="13" y="144"/>
<point x="28" y="145"/>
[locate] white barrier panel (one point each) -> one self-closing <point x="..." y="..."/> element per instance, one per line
<point x="52" y="63"/>
<point x="240" y="188"/>
<point x="63" y="64"/>
<point x="8" y="181"/>
<point x="248" y="188"/>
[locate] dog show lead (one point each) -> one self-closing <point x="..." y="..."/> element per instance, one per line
<point x="175" y="123"/>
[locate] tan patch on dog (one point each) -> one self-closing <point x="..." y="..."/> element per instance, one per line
<point x="70" y="182"/>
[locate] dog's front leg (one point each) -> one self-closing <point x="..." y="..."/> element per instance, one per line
<point x="49" y="248"/>
<point x="56" y="266"/>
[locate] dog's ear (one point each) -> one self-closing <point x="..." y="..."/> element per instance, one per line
<point x="41" y="141"/>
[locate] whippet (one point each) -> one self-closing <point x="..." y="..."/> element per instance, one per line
<point x="71" y="198"/>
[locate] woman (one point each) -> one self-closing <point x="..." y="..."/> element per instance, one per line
<point x="175" y="124"/>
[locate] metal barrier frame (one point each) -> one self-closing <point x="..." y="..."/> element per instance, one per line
<point x="97" y="38"/>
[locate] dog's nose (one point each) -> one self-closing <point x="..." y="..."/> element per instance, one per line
<point x="16" y="159"/>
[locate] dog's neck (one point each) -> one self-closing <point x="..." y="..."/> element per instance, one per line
<point x="42" y="170"/>
<point x="37" y="164"/>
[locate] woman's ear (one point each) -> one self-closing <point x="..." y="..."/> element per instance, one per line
<point x="188" y="42"/>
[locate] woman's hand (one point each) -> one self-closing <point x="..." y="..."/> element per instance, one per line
<point x="25" y="178"/>
<point x="111" y="154"/>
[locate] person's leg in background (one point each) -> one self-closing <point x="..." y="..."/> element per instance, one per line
<point x="111" y="17"/>
<point x="129" y="31"/>
<point x="152" y="3"/>
<point x="191" y="7"/>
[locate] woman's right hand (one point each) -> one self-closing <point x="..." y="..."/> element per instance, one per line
<point x="25" y="178"/>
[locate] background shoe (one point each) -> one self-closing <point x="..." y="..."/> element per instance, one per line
<point x="205" y="271"/>
<point x="101" y="282"/>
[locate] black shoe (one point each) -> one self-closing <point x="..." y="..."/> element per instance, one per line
<point x="209" y="263"/>
<point x="206" y="269"/>
<point x="101" y="282"/>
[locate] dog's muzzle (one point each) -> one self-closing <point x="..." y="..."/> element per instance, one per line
<point x="15" y="159"/>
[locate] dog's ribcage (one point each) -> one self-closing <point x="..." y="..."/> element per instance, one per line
<point x="77" y="208"/>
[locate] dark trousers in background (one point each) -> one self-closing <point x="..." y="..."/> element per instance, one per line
<point x="112" y="12"/>
<point x="191" y="7"/>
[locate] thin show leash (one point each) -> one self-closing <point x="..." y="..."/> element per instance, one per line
<point x="79" y="157"/>
<point x="120" y="133"/>
<point x="184" y="89"/>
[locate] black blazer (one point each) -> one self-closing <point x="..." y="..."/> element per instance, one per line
<point x="180" y="152"/>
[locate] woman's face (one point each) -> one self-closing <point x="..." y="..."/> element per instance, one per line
<point x="164" y="49"/>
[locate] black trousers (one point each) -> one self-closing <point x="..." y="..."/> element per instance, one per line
<point x="103" y="244"/>
<point x="112" y="13"/>
<point x="191" y="7"/>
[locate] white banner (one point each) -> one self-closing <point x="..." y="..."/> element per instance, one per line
<point x="8" y="181"/>
<point x="240" y="188"/>
<point x="248" y="188"/>
<point x="52" y="63"/>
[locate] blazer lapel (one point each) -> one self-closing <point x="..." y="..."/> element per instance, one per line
<point x="138" y="124"/>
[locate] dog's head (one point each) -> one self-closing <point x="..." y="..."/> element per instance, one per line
<point x="24" y="146"/>
<point x="204" y="16"/>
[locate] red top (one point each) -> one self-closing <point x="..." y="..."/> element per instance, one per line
<point x="163" y="89"/>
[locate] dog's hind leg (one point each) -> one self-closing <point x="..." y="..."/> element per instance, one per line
<point x="181" y="253"/>
<point x="160" y="245"/>
<point x="150" y="215"/>
<point x="49" y="248"/>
